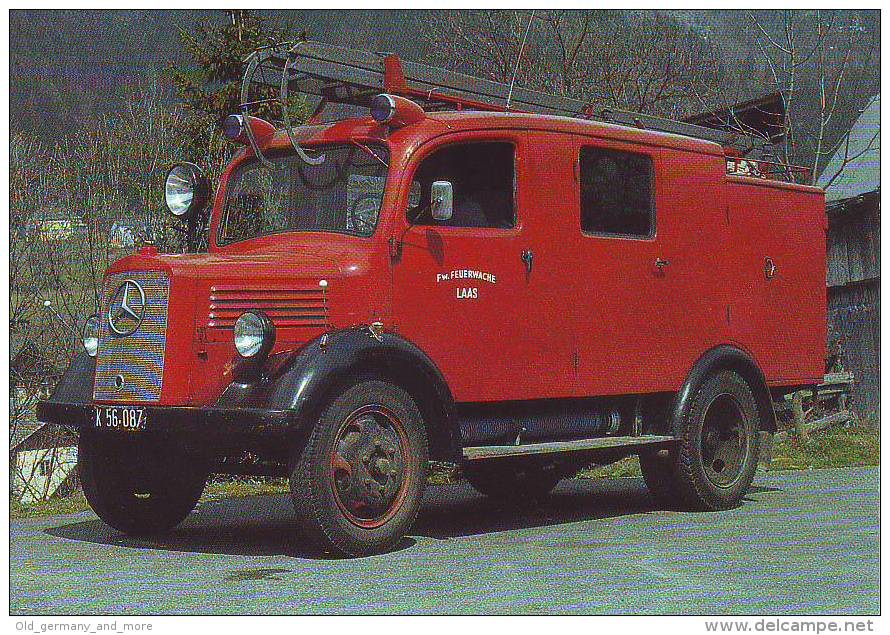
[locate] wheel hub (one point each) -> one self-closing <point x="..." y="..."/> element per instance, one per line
<point x="368" y="466"/>
<point x="725" y="443"/>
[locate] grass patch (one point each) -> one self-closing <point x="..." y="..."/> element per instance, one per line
<point x="837" y="447"/>
<point x="625" y="468"/>
<point x="71" y="504"/>
<point x="234" y="487"/>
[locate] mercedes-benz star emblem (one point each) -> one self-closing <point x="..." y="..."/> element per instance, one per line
<point x="127" y="308"/>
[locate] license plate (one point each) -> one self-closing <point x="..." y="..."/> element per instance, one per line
<point x="125" y="418"/>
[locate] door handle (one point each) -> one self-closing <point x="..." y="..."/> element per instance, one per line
<point x="661" y="264"/>
<point x="528" y="258"/>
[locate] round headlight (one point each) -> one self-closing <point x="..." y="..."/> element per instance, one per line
<point x="185" y="189"/>
<point x="254" y="334"/>
<point x="91" y="335"/>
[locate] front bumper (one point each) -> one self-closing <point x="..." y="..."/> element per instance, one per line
<point x="239" y="426"/>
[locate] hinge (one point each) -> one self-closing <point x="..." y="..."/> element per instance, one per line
<point x="323" y="285"/>
<point x="376" y="330"/>
<point x="395" y="248"/>
<point x="201" y="340"/>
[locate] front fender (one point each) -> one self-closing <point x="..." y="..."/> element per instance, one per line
<point x="76" y="384"/>
<point x="302" y="381"/>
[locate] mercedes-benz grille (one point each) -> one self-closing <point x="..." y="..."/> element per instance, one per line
<point x="132" y="337"/>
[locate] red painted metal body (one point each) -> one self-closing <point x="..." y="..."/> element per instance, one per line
<point x="595" y="316"/>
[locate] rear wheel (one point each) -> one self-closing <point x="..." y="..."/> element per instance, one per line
<point x="358" y="481"/>
<point x="139" y="487"/>
<point x="511" y="481"/>
<point x="714" y="463"/>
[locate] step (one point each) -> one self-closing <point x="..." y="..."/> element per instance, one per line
<point x="552" y="447"/>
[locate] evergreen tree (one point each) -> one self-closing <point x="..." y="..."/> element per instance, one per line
<point x="210" y="87"/>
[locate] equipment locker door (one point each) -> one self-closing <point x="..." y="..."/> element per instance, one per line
<point x="651" y="297"/>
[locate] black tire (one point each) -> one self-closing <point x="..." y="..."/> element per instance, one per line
<point x="716" y="458"/>
<point x="138" y="486"/>
<point x="514" y="482"/>
<point x="358" y="481"/>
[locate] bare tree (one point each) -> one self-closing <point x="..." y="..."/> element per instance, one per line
<point x="64" y="200"/>
<point x="821" y="63"/>
<point x="642" y="61"/>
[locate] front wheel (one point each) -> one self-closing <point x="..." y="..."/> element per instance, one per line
<point x="138" y="486"/>
<point x="357" y="482"/>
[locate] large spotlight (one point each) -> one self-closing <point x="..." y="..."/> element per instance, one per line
<point x="185" y="190"/>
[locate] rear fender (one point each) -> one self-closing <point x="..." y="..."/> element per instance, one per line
<point x="725" y="358"/>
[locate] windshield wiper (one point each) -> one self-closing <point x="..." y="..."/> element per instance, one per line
<point x="369" y="151"/>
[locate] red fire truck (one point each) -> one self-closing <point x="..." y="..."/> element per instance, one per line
<point x="464" y="272"/>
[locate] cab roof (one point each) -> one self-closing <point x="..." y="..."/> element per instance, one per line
<point x="438" y="123"/>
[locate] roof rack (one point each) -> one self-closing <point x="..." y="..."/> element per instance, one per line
<point x="346" y="76"/>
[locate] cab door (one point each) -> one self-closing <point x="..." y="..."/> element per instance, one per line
<point x="472" y="292"/>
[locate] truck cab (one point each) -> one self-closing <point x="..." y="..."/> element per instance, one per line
<point x="519" y="293"/>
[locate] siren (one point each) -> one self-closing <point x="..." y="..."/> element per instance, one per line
<point x="235" y="129"/>
<point x="395" y="111"/>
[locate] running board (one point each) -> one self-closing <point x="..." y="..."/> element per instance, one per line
<point x="553" y="447"/>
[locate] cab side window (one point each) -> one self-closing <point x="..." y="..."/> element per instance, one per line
<point x="617" y="194"/>
<point x="483" y="178"/>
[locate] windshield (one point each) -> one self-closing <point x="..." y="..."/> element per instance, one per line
<point x="343" y="194"/>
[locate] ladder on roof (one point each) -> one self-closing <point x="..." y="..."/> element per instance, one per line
<point x="346" y="76"/>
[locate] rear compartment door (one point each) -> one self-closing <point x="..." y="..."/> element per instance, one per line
<point x="778" y="275"/>
<point x="648" y="293"/>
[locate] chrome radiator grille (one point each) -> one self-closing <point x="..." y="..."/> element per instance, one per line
<point x="130" y="367"/>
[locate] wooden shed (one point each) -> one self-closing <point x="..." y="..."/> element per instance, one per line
<point x="852" y="182"/>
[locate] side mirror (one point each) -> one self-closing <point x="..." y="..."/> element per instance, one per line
<point x="442" y="200"/>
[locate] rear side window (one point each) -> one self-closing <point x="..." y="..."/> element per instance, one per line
<point x="616" y="193"/>
<point x="483" y="180"/>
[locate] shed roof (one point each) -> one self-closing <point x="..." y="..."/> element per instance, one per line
<point x="760" y="114"/>
<point x="23" y="428"/>
<point x="855" y="169"/>
<point x="33" y="435"/>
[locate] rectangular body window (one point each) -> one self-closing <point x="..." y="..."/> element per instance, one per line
<point x="617" y="194"/>
<point x="483" y="177"/>
<point x="343" y="194"/>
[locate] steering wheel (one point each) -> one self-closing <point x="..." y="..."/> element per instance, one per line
<point x="355" y="212"/>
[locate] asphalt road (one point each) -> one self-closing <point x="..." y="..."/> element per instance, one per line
<point x="802" y="543"/>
